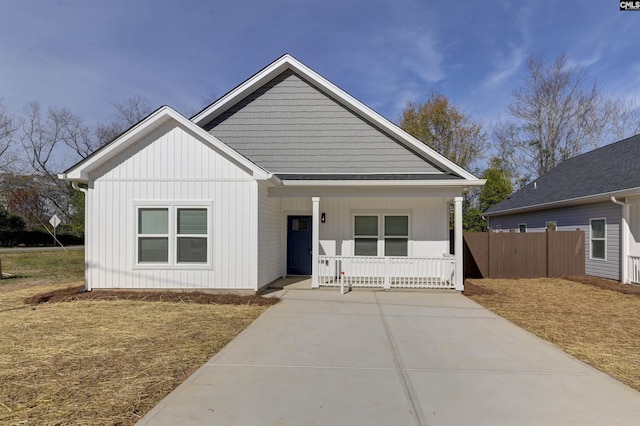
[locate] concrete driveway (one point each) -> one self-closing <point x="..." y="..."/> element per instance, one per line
<point x="392" y="358"/>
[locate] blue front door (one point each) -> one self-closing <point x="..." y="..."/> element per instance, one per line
<point x="299" y="245"/>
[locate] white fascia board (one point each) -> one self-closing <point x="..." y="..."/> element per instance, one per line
<point x="606" y="196"/>
<point x="288" y="61"/>
<point x="81" y="171"/>
<point x="387" y="183"/>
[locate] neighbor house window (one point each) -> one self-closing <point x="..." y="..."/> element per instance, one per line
<point x="598" y="238"/>
<point x="173" y="235"/>
<point x="551" y="225"/>
<point x="522" y="228"/>
<point x="366" y="235"/>
<point x="371" y="236"/>
<point x="396" y="235"/>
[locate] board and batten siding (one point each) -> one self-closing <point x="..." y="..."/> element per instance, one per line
<point x="572" y="218"/>
<point x="428" y="221"/>
<point x="171" y="165"/>
<point x="270" y="247"/>
<point x="287" y="121"/>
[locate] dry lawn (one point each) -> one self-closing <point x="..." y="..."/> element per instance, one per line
<point x="596" y="325"/>
<point x="100" y="362"/>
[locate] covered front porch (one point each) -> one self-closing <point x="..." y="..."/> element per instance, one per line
<point x="365" y="238"/>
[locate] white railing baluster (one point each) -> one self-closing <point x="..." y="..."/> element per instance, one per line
<point x="396" y="271"/>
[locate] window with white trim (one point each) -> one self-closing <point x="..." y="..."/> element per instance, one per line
<point x="365" y="235"/>
<point x="551" y="225"/>
<point x="396" y="235"/>
<point x="598" y="238"/>
<point x="153" y="235"/>
<point x="175" y="235"/>
<point x="387" y="238"/>
<point x="522" y="228"/>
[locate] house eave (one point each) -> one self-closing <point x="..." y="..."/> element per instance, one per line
<point x="81" y="171"/>
<point x="589" y="199"/>
<point x="466" y="184"/>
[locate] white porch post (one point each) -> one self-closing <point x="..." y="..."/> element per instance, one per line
<point x="457" y="227"/>
<point x="625" y="237"/>
<point x="315" y="241"/>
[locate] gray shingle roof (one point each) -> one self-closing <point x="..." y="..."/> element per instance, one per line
<point x="608" y="169"/>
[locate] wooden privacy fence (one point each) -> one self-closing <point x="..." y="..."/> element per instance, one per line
<point x="523" y="255"/>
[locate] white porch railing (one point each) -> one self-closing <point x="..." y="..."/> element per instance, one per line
<point x="634" y="269"/>
<point x="387" y="272"/>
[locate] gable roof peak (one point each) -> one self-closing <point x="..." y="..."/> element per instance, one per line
<point x="288" y="62"/>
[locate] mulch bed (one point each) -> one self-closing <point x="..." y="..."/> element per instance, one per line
<point x="78" y="293"/>
<point x="606" y="284"/>
<point x="472" y="289"/>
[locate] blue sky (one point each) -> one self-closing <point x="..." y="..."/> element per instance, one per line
<point x="89" y="55"/>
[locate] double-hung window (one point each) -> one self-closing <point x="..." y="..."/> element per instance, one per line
<point x="173" y="235"/>
<point x="389" y="237"/>
<point x="598" y="239"/>
<point x="192" y="235"/>
<point x="153" y="235"/>
<point x="396" y="235"/>
<point x="366" y="235"/>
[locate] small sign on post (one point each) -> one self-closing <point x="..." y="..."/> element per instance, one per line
<point x="54" y="221"/>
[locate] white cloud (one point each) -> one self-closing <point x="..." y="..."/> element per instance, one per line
<point x="506" y="67"/>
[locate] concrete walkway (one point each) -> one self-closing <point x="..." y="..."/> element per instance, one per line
<point x="392" y="358"/>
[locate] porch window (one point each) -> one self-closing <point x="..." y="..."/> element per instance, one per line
<point x="389" y="237"/>
<point x="396" y="235"/>
<point x="366" y="235"/>
<point x="153" y="235"/>
<point x="598" y="238"/>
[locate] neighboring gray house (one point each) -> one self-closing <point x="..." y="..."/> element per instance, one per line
<point x="598" y="192"/>
<point x="284" y="175"/>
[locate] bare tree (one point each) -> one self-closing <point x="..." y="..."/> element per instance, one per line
<point x="8" y="126"/>
<point x="557" y="114"/>
<point x="42" y="135"/>
<point x="128" y="114"/>
<point x="443" y="127"/>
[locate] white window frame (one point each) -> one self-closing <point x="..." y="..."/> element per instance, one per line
<point x="520" y="225"/>
<point x="173" y="207"/>
<point x="591" y="238"/>
<point x="353" y="232"/>
<point x="384" y="231"/>
<point x="380" y="247"/>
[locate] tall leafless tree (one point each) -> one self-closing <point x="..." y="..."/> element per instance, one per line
<point x="8" y="127"/>
<point x="557" y="113"/>
<point x="128" y="114"/>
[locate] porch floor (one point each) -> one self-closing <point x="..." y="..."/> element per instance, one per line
<point x="291" y="282"/>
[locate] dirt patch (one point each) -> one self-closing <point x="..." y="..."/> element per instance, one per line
<point x="473" y="289"/>
<point x="77" y="293"/>
<point x="606" y="284"/>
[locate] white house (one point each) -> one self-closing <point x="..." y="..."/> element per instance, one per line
<point x="284" y="175"/>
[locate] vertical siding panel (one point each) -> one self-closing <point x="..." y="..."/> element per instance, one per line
<point x="146" y="175"/>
